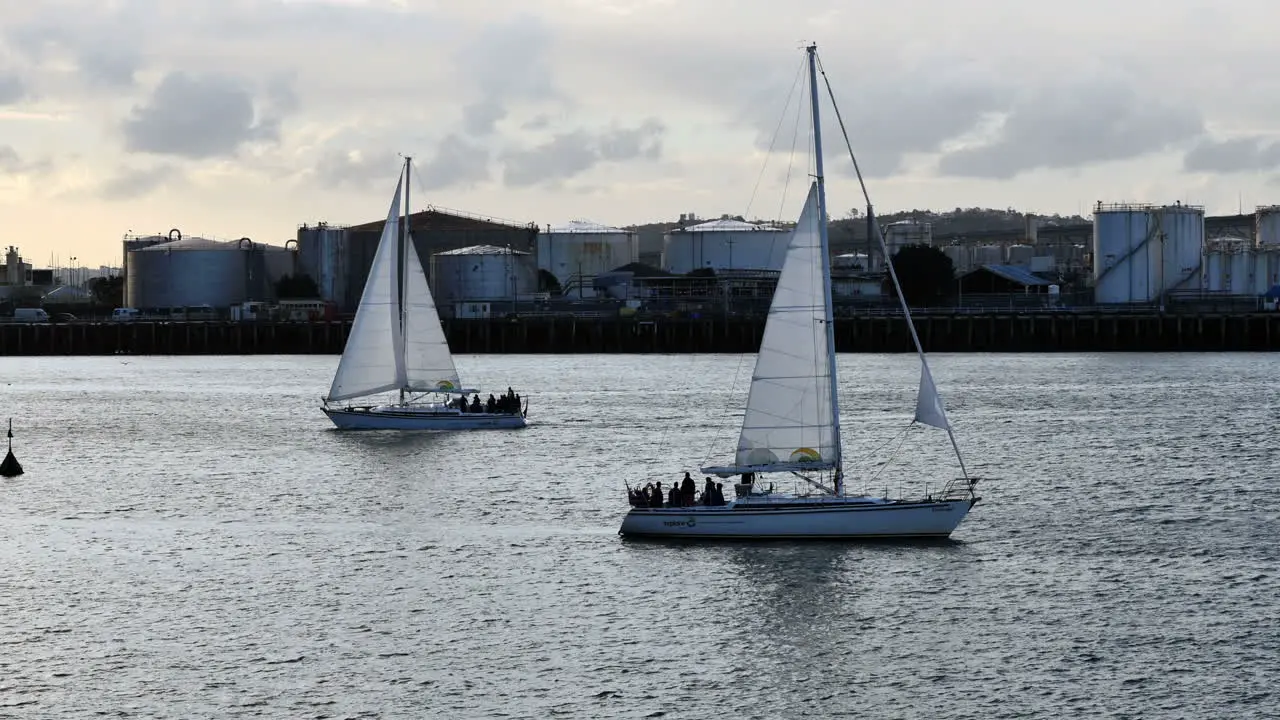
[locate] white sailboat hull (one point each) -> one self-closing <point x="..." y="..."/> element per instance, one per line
<point x="832" y="518"/>
<point x="398" y="417"/>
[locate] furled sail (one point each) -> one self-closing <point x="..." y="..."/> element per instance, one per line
<point x="929" y="409"/>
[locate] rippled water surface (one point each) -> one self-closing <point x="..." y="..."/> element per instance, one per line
<point x="192" y="540"/>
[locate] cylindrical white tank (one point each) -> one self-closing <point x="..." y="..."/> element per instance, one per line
<point x="1020" y="255"/>
<point x="13" y="267"/>
<point x="961" y="257"/>
<point x="321" y="256"/>
<point x="1215" y="271"/>
<point x="580" y="250"/>
<point x="1182" y="248"/>
<point x="482" y="272"/>
<point x="1266" y="272"/>
<point x="898" y="235"/>
<point x="1267" y="225"/>
<point x="1126" y="254"/>
<point x="988" y="255"/>
<point x="724" y="245"/>
<point x="1240" y="272"/>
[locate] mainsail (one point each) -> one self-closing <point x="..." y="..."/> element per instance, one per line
<point x="428" y="362"/>
<point x="373" y="359"/>
<point x="789" y="423"/>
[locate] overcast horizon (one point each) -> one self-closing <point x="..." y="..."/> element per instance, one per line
<point x="231" y="118"/>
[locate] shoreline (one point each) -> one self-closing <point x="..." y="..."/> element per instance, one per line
<point x="1002" y="332"/>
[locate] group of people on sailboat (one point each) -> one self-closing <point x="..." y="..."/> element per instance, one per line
<point x="683" y="494"/>
<point x="508" y="404"/>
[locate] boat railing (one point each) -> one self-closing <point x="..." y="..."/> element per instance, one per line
<point x="959" y="489"/>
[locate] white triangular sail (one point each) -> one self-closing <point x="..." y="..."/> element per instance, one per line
<point x="929" y="410"/>
<point x="428" y="362"/>
<point x="789" y="421"/>
<point x="373" y="359"/>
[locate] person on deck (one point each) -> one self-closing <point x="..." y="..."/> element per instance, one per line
<point x="655" y="500"/>
<point x="688" y="489"/>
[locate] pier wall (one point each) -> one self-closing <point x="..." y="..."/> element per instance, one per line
<point x="1055" y="332"/>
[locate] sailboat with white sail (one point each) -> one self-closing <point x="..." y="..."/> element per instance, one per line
<point x="791" y="423"/>
<point x="397" y="344"/>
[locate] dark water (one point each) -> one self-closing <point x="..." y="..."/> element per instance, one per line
<point x="191" y="540"/>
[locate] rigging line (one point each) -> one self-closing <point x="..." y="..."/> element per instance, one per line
<point x="795" y="138"/>
<point x="774" y="140"/>
<point x="892" y="456"/>
<point x="902" y="300"/>
<point x="870" y="453"/>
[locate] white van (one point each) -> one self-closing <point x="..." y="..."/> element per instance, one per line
<point x="31" y="315"/>
<point x="124" y="314"/>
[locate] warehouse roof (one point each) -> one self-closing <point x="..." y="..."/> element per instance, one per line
<point x="1015" y="273"/>
<point x="441" y="219"/>
<point x="483" y="250"/>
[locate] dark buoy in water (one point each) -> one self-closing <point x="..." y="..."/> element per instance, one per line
<point x="10" y="467"/>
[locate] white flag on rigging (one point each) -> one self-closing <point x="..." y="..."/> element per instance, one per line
<point x="928" y="404"/>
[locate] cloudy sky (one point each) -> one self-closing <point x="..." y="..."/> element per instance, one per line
<point x="230" y="118"/>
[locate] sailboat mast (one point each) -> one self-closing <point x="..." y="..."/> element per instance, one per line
<point x="826" y="265"/>
<point x="404" y="252"/>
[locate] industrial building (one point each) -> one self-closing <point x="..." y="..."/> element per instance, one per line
<point x="578" y="251"/>
<point x="486" y="277"/>
<point x="725" y="244"/>
<point x="196" y="271"/>
<point x="337" y="258"/>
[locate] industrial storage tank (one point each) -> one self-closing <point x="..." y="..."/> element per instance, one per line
<point x="1267" y="225"/>
<point x="1240" y="272"/>
<point x="1182" y="246"/>
<point x="1141" y="252"/>
<point x="988" y="255"/>
<point x="1266" y="268"/>
<point x="579" y="250"/>
<point x="907" y="232"/>
<point x="1222" y="262"/>
<point x="1215" y="272"/>
<point x="197" y="271"/>
<point x="1020" y="255"/>
<point x="321" y="254"/>
<point x="961" y="257"/>
<point x="724" y="245"/>
<point x="1126" y="261"/>
<point x="482" y="272"/>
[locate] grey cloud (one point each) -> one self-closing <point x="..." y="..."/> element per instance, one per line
<point x="12" y="89"/>
<point x="456" y="163"/>
<point x="13" y="163"/>
<point x="339" y="169"/>
<point x="1234" y="155"/>
<point x="481" y="118"/>
<point x="537" y="122"/>
<point x="110" y="67"/>
<point x="197" y="117"/>
<point x="625" y="144"/>
<point x="100" y="56"/>
<point x="10" y="160"/>
<point x="507" y="62"/>
<point x="569" y="154"/>
<point x="133" y="183"/>
<point x="1077" y="125"/>
<point x="890" y="108"/>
